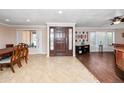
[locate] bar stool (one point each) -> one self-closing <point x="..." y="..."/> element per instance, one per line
<point x="100" y="48"/>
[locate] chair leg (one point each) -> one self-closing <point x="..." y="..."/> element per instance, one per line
<point x="19" y="63"/>
<point x="26" y="60"/>
<point x="1" y="68"/>
<point x="11" y="66"/>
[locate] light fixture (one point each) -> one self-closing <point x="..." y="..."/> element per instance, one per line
<point x="60" y="12"/>
<point x="117" y="22"/>
<point x="28" y="20"/>
<point x="7" y="20"/>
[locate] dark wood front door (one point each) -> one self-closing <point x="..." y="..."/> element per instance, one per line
<point x="60" y="42"/>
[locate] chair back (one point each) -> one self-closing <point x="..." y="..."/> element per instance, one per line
<point x="15" y="54"/>
<point x="9" y="45"/>
<point x="24" y="49"/>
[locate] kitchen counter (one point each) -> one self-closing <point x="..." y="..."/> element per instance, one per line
<point x="119" y="61"/>
<point x="119" y="49"/>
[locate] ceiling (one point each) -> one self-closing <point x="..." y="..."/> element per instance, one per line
<point x="82" y="17"/>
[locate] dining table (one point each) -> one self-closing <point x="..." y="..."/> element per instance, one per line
<point x="5" y="52"/>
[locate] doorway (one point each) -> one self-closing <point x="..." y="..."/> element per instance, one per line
<point x="61" y="41"/>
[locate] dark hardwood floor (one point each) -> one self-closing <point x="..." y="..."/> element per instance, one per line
<point x="101" y="65"/>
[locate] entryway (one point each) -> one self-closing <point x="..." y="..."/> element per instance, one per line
<point x="61" y="41"/>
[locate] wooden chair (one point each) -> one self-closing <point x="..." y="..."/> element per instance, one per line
<point x="14" y="59"/>
<point x="19" y="53"/>
<point x="9" y="45"/>
<point x="24" y="52"/>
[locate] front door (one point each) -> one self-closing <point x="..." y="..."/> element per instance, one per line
<point x="60" y="41"/>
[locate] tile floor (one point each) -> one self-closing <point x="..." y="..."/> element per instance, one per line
<point x="41" y="69"/>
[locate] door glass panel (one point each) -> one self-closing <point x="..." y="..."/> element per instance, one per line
<point x="51" y="39"/>
<point x="70" y="39"/>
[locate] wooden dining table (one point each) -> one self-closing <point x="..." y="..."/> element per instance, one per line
<point x="5" y="52"/>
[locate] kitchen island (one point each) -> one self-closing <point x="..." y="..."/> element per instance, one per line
<point x="119" y="60"/>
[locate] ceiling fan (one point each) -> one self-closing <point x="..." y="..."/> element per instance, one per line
<point x="117" y="20"/>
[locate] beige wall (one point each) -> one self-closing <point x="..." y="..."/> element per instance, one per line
<point x="118" y="36"/>
<point x="7" y="35"/>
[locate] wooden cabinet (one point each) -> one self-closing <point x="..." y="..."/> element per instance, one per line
<point x="81" y="49"/>
<point x="119" y="61"/>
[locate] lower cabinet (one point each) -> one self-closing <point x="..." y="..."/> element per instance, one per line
<point x="81" y="49"/>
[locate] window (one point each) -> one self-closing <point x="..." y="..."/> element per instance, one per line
<point x="33" y="39"/>
<point x="110" y="38"/>
<point x="29" y="37"/>
<point x="101" y="38"/>
<point x="51" y="39"/>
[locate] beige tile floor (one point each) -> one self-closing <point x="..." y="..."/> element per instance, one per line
<point x="41" y="69"/>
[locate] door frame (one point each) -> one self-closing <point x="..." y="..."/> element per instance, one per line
<point x="60" y="25"/>
<point x="67" y="51"/>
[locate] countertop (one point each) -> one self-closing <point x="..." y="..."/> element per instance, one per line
<point x="119" y="49"/>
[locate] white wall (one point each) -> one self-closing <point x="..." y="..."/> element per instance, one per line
<point x="7" y="35"/>
<point x="44" y="40"/>
<point x="118" y="36"/>
<point x="42" y="32"/>
<point x="118" y="33"/>
<point x="94" y="29"/>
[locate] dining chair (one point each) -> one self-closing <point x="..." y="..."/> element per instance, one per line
<point x="18" y="54"/>
<point x="24" y="52"/>
<point x="9" y="45"/>
<point x="11" y="61"/>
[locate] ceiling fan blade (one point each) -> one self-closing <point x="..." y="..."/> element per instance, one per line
<point x="112" y="23"/>
<point x="122" y="20"/>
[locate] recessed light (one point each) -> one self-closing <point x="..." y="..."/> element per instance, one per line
<point x="60" y="12"/>
<point x="7" y="20"/>
<point x="28" y="20"/>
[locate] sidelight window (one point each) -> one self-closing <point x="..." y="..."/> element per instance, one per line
<point x="70" y="38"/>
<point x="51" y="39"/>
